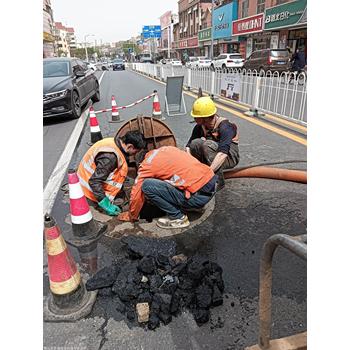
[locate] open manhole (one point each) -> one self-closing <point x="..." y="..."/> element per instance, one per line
<point x="157" y="134"/>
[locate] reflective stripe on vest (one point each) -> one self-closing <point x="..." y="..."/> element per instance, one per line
<point x="87" y="166"/>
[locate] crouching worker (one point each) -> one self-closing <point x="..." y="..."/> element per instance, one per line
<point x="173" y="181"/>
<point x="214" y="140"/>
<point x="104" y="167"/>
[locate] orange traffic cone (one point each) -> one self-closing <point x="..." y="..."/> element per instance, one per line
<point x="95" y="131"/>
<point x="86" y="230"/>
<point x="115" y="113"/>
<point x="69" y="300"/>
<point x="157" y="113"/>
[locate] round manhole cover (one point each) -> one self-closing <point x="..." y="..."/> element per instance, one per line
<point x="118" y="229"/>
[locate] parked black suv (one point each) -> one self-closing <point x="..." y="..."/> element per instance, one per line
<point x="68" y="84"/>
<point x="268" y="59"/>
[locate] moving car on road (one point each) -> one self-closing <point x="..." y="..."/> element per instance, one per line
<point x="118" y="64"/>
<point x="268" y="59"/>
<point x="228" y="60"/>
<point x="146" y="57"/>
<point x="68" y="84"/>
<point x="92" y="66"/>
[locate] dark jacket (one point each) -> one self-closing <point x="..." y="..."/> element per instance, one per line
<point x="106" y="163"/>
<point x="299" y="61"/>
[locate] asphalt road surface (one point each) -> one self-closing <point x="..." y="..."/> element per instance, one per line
<point x="247" y="212"/>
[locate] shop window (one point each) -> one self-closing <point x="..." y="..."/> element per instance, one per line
<point x="260" y="6"/>
<point x="245" y="7"/>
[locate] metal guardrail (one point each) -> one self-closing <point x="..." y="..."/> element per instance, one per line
<point x="283" y="94"/>
<point x="296" y="245"/>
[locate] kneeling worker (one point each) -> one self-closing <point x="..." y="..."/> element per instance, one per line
<point x="104" y="167"/>
<point x="214" y="140"/>
<point x="174" y="181"/>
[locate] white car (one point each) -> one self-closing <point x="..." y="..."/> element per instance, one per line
<point x="228" y="60"/>
<point x="92" y="66"/>
<point x="198" y="62"/>
<point x="175" y="63"/>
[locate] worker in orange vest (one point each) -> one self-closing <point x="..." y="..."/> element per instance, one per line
<point x="214" y="140"/>
<point x="104" y="167"/>
<point x="175" y="182"/>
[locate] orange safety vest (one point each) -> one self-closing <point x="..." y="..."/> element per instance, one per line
<point x="173" y="165"/>
<point x="215" y="131"/>
<point x="87" y="167"/>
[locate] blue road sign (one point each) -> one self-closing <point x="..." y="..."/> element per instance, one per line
<point x="151" y="32"/>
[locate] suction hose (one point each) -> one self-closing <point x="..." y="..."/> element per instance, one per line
<point x="268" y="173"/>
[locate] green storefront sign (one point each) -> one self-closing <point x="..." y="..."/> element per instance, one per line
<point x="285" y="15"/>
<point x="204" y="34"/>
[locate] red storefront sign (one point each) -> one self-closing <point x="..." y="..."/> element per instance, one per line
<point x="182" y="44"/>
<point x="192" y="42"/>
<point x="248" y="25"/>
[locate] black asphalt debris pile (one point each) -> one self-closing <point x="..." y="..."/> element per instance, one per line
<point x="153" y="274"/>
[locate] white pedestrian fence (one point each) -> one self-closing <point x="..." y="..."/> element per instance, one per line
<point x="283" y="94"/>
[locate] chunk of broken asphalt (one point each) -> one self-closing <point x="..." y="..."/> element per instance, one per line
<point x="201" y="316"/>
<point x="147" y="265"/>
<point x="165" y="317"/>
<point x="153" y="321"/>
<point x="203" y="296"/>
<point x="139" y="247"/>
<point x="103" y="278"/>
<point x="217" y="296"/>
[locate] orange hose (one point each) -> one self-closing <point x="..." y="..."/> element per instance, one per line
<point x="268" y="173"/>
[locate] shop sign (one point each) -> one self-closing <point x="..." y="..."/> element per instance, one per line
<point x="192" y="42"/>
<point x="285" y="15"/>
<point x="204" y="34"/>
<point x="182" y="44"/>
<point x="222" y="20"/>
<point x="48" y="37"/>
<point x="248" y="25"/>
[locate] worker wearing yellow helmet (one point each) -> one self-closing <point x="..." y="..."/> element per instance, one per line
<point x="214" y="139"/>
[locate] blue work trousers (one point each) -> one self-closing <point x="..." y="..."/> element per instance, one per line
<point x="172" y="200"/>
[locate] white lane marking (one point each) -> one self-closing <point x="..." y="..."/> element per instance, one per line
<point x="52" y="186"/>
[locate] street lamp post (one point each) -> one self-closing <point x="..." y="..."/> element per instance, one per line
<point x="212" y="31"/>
<point x="86" y="53"/>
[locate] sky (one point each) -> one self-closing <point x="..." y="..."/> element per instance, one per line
<point x="110" y="20"/>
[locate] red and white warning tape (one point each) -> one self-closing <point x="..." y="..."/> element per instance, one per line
<point x="124" y="107"/>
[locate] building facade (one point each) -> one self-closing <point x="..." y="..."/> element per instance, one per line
<point x="61" y="38"/>
<point x="190" y="22"/>
<point x="266" y="24"/>
<point x="167" y="22"/>
<point x="49" y="49"/>
<point x="70" y="35"/>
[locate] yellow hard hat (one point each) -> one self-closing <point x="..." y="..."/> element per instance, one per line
<point x="203" y="107"/>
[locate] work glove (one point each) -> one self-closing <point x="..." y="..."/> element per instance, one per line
<point x="124" y="216"/>
<point x="108" y="207"/>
